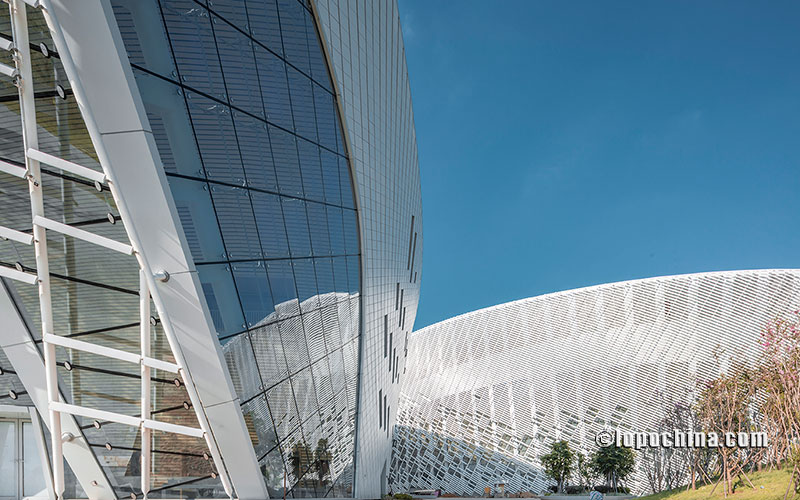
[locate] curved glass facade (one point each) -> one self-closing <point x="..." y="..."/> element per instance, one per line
<point x="241" y="105"/>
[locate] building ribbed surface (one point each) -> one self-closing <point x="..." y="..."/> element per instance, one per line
<point x="487" y="392"/>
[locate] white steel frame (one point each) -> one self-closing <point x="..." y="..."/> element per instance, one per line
<point x="90" y="44"/>
<point x="23" y="354"/>
<point x="23" y="79"/>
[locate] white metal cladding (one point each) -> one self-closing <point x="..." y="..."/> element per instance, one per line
<point x="364" y="46"/>
<point x="488" y="391"/>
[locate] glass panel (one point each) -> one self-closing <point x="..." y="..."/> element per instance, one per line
<point x="172" y="128"/>
<point x="294" y="19"/>
<point x="311" y="171"/>
<point x="257" y="418"/>
<point x="284" y="293"/>
<point x="235" y="215"/>
<point x="326" y="117"/>
<point x="221" y="297"/>
<point x="287" y="165"/>
<point x="269" y="219"/>
<point x="198" y="218"/>
<point x="302" y="104"/>
<point x="318" y="228"/>
<point x="254" y="292"/>
<point x="8" y="459"/>
<point x="32" y="473"/>
<point x="192" y="40"/>
<point x="340" y="274"/>
<point x="262" y="16"/>
<point x="306" y="281"/>
<point x="213" y="129"/>
<point x="238" y="66"/>
<point x="232" y="11"/>
<point x="330" y="177"/>
<point x="274" y="88"/>
<point x="256" y="152"/>
<point x="273" y="470"/>
<point x="294" y="214"/>
<point x="294" y="344"/>
<point x="242" y="364"/>
<point x="336" y="230"/>
<point x="269" y="354"/>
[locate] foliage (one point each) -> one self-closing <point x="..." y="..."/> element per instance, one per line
<point x="614" y="464"/>
<point x="402" y="496"/>
<point x="585" y="473"/>
<point x="778" y="385"/>
<point x="558" y="463"/>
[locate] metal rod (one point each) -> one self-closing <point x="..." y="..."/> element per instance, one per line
<point x="119" y="418"/>
<point x="8" y="70"/>
<point x="18" y="236"/>
<point x="24" y="277"/>
<point x="82" y="234"/>
<point x="109" y="352"/>
<point x="144" y="334"/>
<point x="19" y="29"/>
<point x="11" y="169"/>
<point x="68" y="166"/>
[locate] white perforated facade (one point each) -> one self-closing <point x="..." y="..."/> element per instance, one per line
<point x="364" y="45"/>
<point x="488" y="391"/>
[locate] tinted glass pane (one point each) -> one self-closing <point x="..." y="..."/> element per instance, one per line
<point x="274" y="88"/>
<point x="284" y="292"/>
<point x="232" y="11"/>
<point x="193" y="202"/>
<point x="294" y="213"/>
<point x="221" y="297"/>
<point x="262" y="16"/>
<point x="254" y="291"/>
<point x="302" y="104"/>
<point x="330" y="177"/>
<point x="169" y="120"/>
<point x="192" y="39"/>
<point x="306" y="281"/>
<point x="256" y="152"/>
<point x="238" y="66"/>
<point x="269" y="219"/>
<point x="294" y="20"/>
<point x="287" y="166"/>
<point x="318" y="228"/>
<point x="235" y="216"/>
<point x="213" y="128"/>
<point x="269" y="354"/>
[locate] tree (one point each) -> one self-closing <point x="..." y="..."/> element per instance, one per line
<point x="585" y="473"/>
<point x="778" y="381"/>
<point x="613" y="463"/>
<point x="558" y="463"/>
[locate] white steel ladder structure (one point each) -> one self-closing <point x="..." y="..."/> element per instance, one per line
<point x="22" y="78"/>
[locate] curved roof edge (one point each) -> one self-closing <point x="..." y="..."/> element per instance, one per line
<point x="603" y="286"/>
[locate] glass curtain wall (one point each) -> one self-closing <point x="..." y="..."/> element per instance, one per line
<point x="242" y="108"/>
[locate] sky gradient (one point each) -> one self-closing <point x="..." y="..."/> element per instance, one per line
<point x="570" y="144"/>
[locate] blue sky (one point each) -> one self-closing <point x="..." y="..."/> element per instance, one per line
<point x="566" y="144"/>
